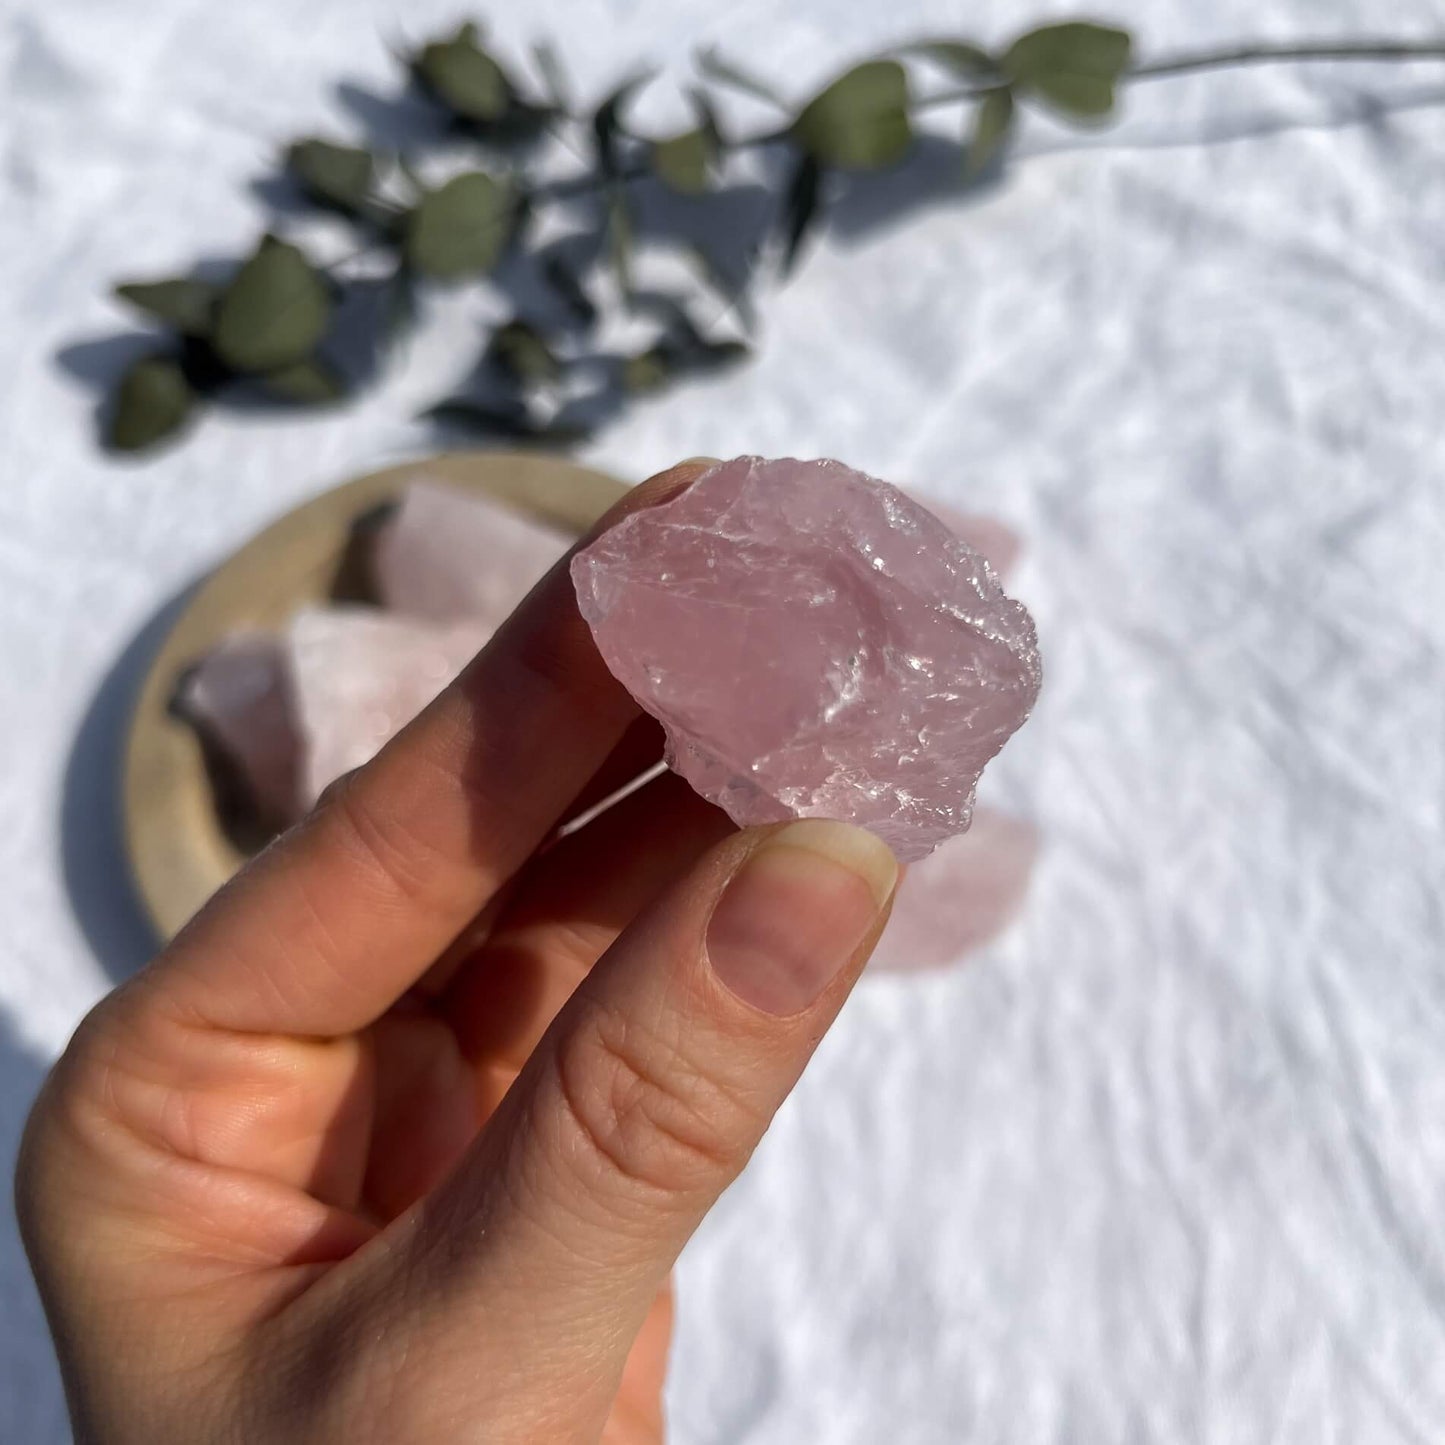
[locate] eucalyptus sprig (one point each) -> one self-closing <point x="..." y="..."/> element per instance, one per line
<point x="285" y="328"/>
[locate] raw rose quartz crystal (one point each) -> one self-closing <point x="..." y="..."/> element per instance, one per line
<point x="358" y="676"/>
<point x="239" y="697"/>
<point x="999" y="545"/>
<point x="815" y="644"/>
<point x="447" y="555"/>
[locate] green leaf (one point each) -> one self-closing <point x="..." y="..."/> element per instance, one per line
<point x="800" y="209"/>
<point x="186" y="305"/>
<point x="309" y="382"/>
<point x="992" y="126"/>
<point x="619" y="242"/>
<point x="1075" y="67"/>
<point x="682" y="161"/>
<point x="464" y="77"/>
<point x="607" y="124"/>
<point x="712" y="64"/>
<point x="965" y="60"/>
<point x="153" y="401"/>
<point x="860" y="122"/>
<point x="340" y="176"/>
<point x="520" y="350"/>
<point x="274" y="312"/>
<point x="462" y="228"/>
<point x="648" y="371"/>
<point x="682" y="352"/>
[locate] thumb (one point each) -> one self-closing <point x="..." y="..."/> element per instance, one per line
<point x="640" y="1106"/>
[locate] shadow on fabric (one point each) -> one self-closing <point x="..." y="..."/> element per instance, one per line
<point x="32" y="1407"/>
<point x="92" y="838"/>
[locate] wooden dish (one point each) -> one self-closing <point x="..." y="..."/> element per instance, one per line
<point x="178" y="852"/>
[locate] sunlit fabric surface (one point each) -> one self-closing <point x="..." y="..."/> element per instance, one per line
<point x="1168" y="1162"/>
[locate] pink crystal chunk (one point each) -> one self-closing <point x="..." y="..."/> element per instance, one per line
<point x="815" y="644"/>
<point x="447" y="555"/>
<point x="239" y="696"/>
<point x="1000" y="545"/>
<point x="358" y="676"/>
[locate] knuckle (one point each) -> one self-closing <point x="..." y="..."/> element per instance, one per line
<point x="645" y="1116"/>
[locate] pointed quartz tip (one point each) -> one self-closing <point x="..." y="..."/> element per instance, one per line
<point x="815" y="643"/>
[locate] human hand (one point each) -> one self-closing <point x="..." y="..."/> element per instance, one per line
<point x="399" y="1139"/>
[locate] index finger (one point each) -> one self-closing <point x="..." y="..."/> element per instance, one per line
<point x="323" y="931"/>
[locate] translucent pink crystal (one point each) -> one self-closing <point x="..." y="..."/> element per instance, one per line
<point x="358" y="676"/>
<point x="1000" y="545"/>
<point x="239" y="697"/>
<point x="449" y="555"/>
<point x="815" y="644"/>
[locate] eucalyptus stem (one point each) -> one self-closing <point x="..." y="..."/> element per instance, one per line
<point x="272" y="322"/>
<point x="1283" y="53"/>
<point x="964" y="92"/>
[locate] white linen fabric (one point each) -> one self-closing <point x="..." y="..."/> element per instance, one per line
<point x="1168" y="1162"/>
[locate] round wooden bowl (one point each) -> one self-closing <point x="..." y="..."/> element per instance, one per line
<point x="178" y="851"/>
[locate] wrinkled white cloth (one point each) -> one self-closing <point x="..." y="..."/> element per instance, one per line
<point x="1168" y="1162"/>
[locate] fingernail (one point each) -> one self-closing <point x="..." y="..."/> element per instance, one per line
<point x="796" y="911"/>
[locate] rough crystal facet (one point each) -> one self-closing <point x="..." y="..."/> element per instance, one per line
<point x="448" y="555"/>
<point x="815" y="644"/>
<point x="239" y="697"/>
<point x="358" y="676"/>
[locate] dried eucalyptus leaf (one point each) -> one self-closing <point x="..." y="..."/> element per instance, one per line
<point x="1075" y="67"/>
<point x="682" y="161"/>
<point x="340" y="176"/>
<point x="464" y="77"/>
<point x="186" y="305"/>
<point x="800" y="209"/>
<point x="992" y="126"/>
<point x="309" y="382"/>
<point x="273" y="313"/>
<point x="520" y="350"/>
<point x="859" y="122"/>
<point x="960" y="57"/>
<point x="648" y="371"/>
<point x="153" y="401"/>
<point x="461" y="228"/>
<point x="712" y="64"/>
